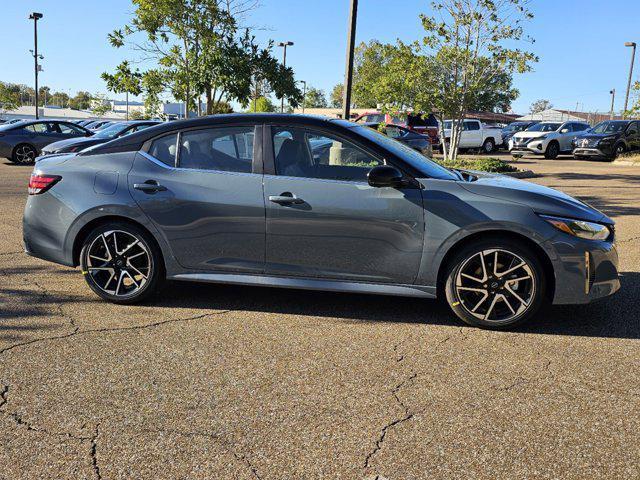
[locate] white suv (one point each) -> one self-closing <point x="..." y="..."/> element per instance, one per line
<point x="546" y="138"/>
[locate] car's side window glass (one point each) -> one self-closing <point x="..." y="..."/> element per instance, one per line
<point x="69" y="129"/>
<point x="633" y="128"/>
<point x="307" y="153"/>
<point x="471" y="126"/>
<point x="579" y="127"/>
<point x="37" y="127"/>
<point x="228" y="149"/>
<point x="164" y="149"/>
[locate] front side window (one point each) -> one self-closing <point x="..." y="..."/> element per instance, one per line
<point x="471" y="126"/>
<point x="306" y="153"/>
<point x="228" y="149"/>
<point x="164" y="149"/>
<point x="633" y="128"/>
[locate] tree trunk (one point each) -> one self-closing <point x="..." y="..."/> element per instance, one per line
<point x="209" y="100"/>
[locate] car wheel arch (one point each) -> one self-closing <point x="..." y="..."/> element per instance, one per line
<point x="91" y="225"/>
<point x="498" y="235"/>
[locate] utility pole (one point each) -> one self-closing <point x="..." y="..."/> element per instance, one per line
<point x="348" y="73"/>
<point x="613" y="100"/>
<point x="633" y="57"/>
<point x="35" y="17"/>
<point x="304" y="92"/>
<point x="284" y="45"/>
<point x="127" y="114"/>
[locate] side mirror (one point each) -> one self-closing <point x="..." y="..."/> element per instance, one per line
<point x="564" y="130"/>
<point x="385" y="176"/>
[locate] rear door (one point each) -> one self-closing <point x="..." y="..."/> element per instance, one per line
<point x="202" y="188"/>
<point x="325" y="221"/>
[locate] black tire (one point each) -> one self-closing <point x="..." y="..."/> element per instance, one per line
<point x="579" y="157"/>
<point x="534" y="299"/>
<point x="24" y="154"/>
<point x="553" y="150"/>
<point x="96" y="271"/>
<point x="489" y="146"/>
<point x="618" y="150"/>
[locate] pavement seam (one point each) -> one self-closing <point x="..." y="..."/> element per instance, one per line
<point x="93" y="451"/>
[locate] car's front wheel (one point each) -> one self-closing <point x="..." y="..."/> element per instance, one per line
<point x="495" y="284"/>
<point x="121" y="263"/>
<point x="552" y="152"/>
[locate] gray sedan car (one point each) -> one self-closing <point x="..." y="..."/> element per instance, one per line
<point x="22" y="142"/>
<point x="259" y="200"/>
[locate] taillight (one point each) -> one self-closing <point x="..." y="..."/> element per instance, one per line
<point x="41" y="183"/>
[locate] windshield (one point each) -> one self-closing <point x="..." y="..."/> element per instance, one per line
<point x="111" y="131"/>
<point x="544" y="127"/>
<point x="609" y="127"/>
<point x="409" y="155"/>
<point x="515" y="127"/>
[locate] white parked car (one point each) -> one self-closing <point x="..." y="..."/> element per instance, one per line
<point x="547" y="138"/>
<point x="475" y="134"/>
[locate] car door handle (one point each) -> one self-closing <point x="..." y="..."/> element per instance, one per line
<point x="286" y="198"/>
<point x="150" y="186"/>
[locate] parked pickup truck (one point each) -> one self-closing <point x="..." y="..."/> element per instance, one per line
<point x="475" y="134"/>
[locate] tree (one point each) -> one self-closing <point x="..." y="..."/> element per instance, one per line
<point x="540" y="106"/>
<point x="81" y="101"/>
<point x="262" y="104"/>
<point x="315" y="98"/>
<point x="337" y="96"/>
<point x="634" y="109"/>
<point x="125" y="81"/>
<point x="9" y="96"/>
<point x="100" y="105"/>
<point x="60" y="99"/>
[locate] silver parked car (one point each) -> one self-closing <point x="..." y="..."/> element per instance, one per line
<point x="22" y="142"/>
<point x="261" y="200"/>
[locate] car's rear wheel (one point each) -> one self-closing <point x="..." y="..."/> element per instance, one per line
<point x="553" y="150"/>
<point x="489" y="145"/>
<point x="24" y="154"/>
<point x="495" y="284"/>
<point x="121" y="263"/>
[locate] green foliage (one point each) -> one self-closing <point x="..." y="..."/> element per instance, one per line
<point x="100" y="105"/>
<point x="262" y="104"/>
<point x="315" y="98"/>
<point x="634" y="109"/>
<point x="540" y="106"/>
<point x="138" y="115"/>
<point x="9" y="96"/>
<point x="124" y="80"/>
<point x="81" y="101"/>
<point x="483" y="164"/>
<point x="337" y="96"/>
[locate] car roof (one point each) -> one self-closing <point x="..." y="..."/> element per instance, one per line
<point x="135" y="140"/>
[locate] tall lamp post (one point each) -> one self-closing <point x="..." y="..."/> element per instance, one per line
<point x="284" y="45"/>
<point x="613" y="101"/>
<point x="348" y="74"/>
<point x="633" y="57"/>
<point x="304" y="92"/>
<point x="35" y="16"/>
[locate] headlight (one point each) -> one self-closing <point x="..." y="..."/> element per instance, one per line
<point x="579" y="228"/>
<point x="542" y="137"/>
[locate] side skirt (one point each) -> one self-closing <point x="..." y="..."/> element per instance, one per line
<point x="400" y="290"/>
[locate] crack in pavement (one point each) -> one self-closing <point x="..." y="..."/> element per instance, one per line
<point x="78" y="332"/>
<point x="224" y="443"/>
<point x="93" y="451"/>
<point x="58" y="306"/>
<point x="408" y="415"/>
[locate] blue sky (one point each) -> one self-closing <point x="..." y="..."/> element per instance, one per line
<point x="580" y="42"/>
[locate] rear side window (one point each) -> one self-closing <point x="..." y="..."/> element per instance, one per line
<point x="37" y="128"/>
<point x="164" y="149"/>
<point x="228" y="149"/>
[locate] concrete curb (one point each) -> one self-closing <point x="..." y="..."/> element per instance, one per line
<point x="521" y="174"/>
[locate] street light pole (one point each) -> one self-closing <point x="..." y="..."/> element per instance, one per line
<point x="35" y="17"/>
<point x="613" y="100"/>
<point x="304" y="93"/>
<point x="348" y="74"/>
<point x="284" y="45"/>
<point x="633" y="57"/>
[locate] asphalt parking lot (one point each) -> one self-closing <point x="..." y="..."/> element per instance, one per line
<point x="257" y="383"/>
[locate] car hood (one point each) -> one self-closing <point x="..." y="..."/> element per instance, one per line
<point x="526" y="134"/>
<point x="598" y="136"/>
<point x="541" y="199"/>
<point x="78" y="141"/>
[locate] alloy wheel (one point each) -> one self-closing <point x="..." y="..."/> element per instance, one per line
<point x="25" y="154"/>
<point x="119" y="263"/>
<point x="495" y="286"/>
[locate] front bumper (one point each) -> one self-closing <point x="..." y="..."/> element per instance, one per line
<point x="534" y="146"/>
<point x="585" y="270"/>
<point x="591" y="152"/>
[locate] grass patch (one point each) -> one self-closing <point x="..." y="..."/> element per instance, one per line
<point x="483" y="164"/>
<point x="630" y="157"/>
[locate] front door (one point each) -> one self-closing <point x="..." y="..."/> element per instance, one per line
<point x="325" y="221"/>
<point x="201" y="190"/>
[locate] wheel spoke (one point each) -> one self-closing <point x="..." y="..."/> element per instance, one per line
<point x="126" y="249"/>
<point x="119" y="282"/>
<point x="136" y="270"/>
<point x="517" y="297"/>
<point x="493" y="304"/>
<point x="470" y="289"/>
<point x="519" y="279"/>
<point x="485" y="295"/>
<point x="106" y="246"/>
<point x="522" y="264"/>
<point x="504" y="299"/>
